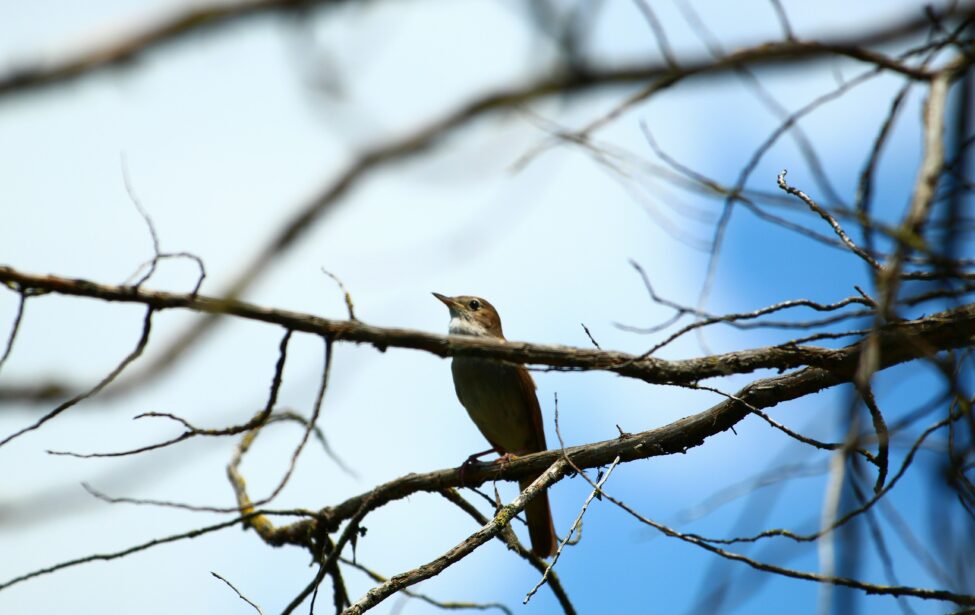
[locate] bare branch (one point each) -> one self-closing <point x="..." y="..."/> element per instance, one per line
<point x="376" y="595"/>
<point x="659" y="34"/>
<point x="932" y="165"/>
<point x="783" y="20"/>
<point x="123" y="50"/>
<point x="15" y="327"/>
<point x="259" y="420"/>
<point x="829" y="219"/>
<point x="101" y="557"/>
<point x="239" y="595"/>
<point x="576" y="525"/>
<point x="868" y="588"/>
<point x="158" y="254"/>
<point x="132" y="356"/>
<point x="899" y="340"/>
<point x="345" y="293"/>
<point x="440" y="604"/>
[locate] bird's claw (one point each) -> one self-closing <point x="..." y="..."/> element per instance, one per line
<point x="505" y="459"/>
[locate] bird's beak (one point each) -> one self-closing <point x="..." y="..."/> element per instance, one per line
<point x="448" y="301"/>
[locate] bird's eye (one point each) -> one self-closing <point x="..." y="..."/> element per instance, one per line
<point x="474" y="304"/>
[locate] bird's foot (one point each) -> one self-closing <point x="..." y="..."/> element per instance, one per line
<point x="505" y="459"/>
<point x="471" y="461"/>
<point x="476" y="456"/>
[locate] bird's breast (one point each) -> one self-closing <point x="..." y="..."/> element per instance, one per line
<point x="496" y="401"/>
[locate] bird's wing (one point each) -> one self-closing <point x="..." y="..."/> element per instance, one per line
<point x="531" y="401"/>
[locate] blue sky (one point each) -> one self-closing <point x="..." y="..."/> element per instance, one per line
<point x="225" y="136"/>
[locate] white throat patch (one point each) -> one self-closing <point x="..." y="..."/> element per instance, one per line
<point x="463" y="326"/>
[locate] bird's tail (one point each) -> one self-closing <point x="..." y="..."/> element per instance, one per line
<point x="539" y="516"/>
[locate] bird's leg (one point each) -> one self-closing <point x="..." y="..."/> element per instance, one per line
<point x="473" y="458"/>
<point x="471" y="461"/>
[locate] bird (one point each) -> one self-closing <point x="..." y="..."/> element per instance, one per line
<point x="501" y="401"/>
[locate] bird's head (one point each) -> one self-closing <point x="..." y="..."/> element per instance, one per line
<point x="472" y="316"/>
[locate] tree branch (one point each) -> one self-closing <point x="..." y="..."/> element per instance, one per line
<point x="898" y="341"/>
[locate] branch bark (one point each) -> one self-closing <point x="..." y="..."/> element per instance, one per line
<point x="898" y="341"/>
<point x="123" y="50"/>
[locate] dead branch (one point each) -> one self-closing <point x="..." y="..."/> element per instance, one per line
<point x="899" y="341"/>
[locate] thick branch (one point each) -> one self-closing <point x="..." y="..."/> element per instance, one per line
<point x="897" y="341"/>
<point x="503" y="517"/>
<point x="123" y="50"/>
<point x="676" y="437"/>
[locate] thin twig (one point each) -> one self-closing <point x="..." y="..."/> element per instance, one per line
<point x="237" y="591"/>
<point x="100" y="557"/>
<point x="597" y="490"/>
<point x="783" y="20"/>
<point x="883" y="435"/>
<point x="350" y="308"/>
<point x="589" y="335"/>
<point x="508" y="537"/>
<point x="440" y="604"/>
<point x="157" y="253"/>
<point x="258" y="419"/>
<point x="132" y="356"/>
<point x="869" y="588"/>
<point x="15" y="327"/>
<point x="825" y="215"/>
<point x="659" y="34"/>
<point x="377" y="594"/>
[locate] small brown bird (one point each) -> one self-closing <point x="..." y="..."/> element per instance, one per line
<point x="501" y="401"/>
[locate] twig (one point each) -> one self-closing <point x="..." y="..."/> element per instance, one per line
<point x="829" y="219"/>
<point x="157" y="253"/>
<point x="869" y="588"/>
<point x="732" y="198"/>
<point x="500" y="520"/>
<point x="132" y="356"/>
<point x="659" y="34"/>
<point x="345" y="293"/>
<point x="783" y="20"/>
<point x="236" y="591"/>
<point x="15" y="327"/>
<point x="330" y="563"/>
<point x="589" y="335"/>
<point x="292" y="512"/>
<point x="194" y="533"/>
<point x="258" y="420"/>
<point x="826" y="446"/>
<point x="440" y="604"/>
<point x="932" y="165"/>
<point x="597" y="490"/>
<point x="508" y="537"/>
<point x="320" y="436"/>
<point x="883" y="435"/>
<point x="323" y="385"/>
<point x="842" y="520"/>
